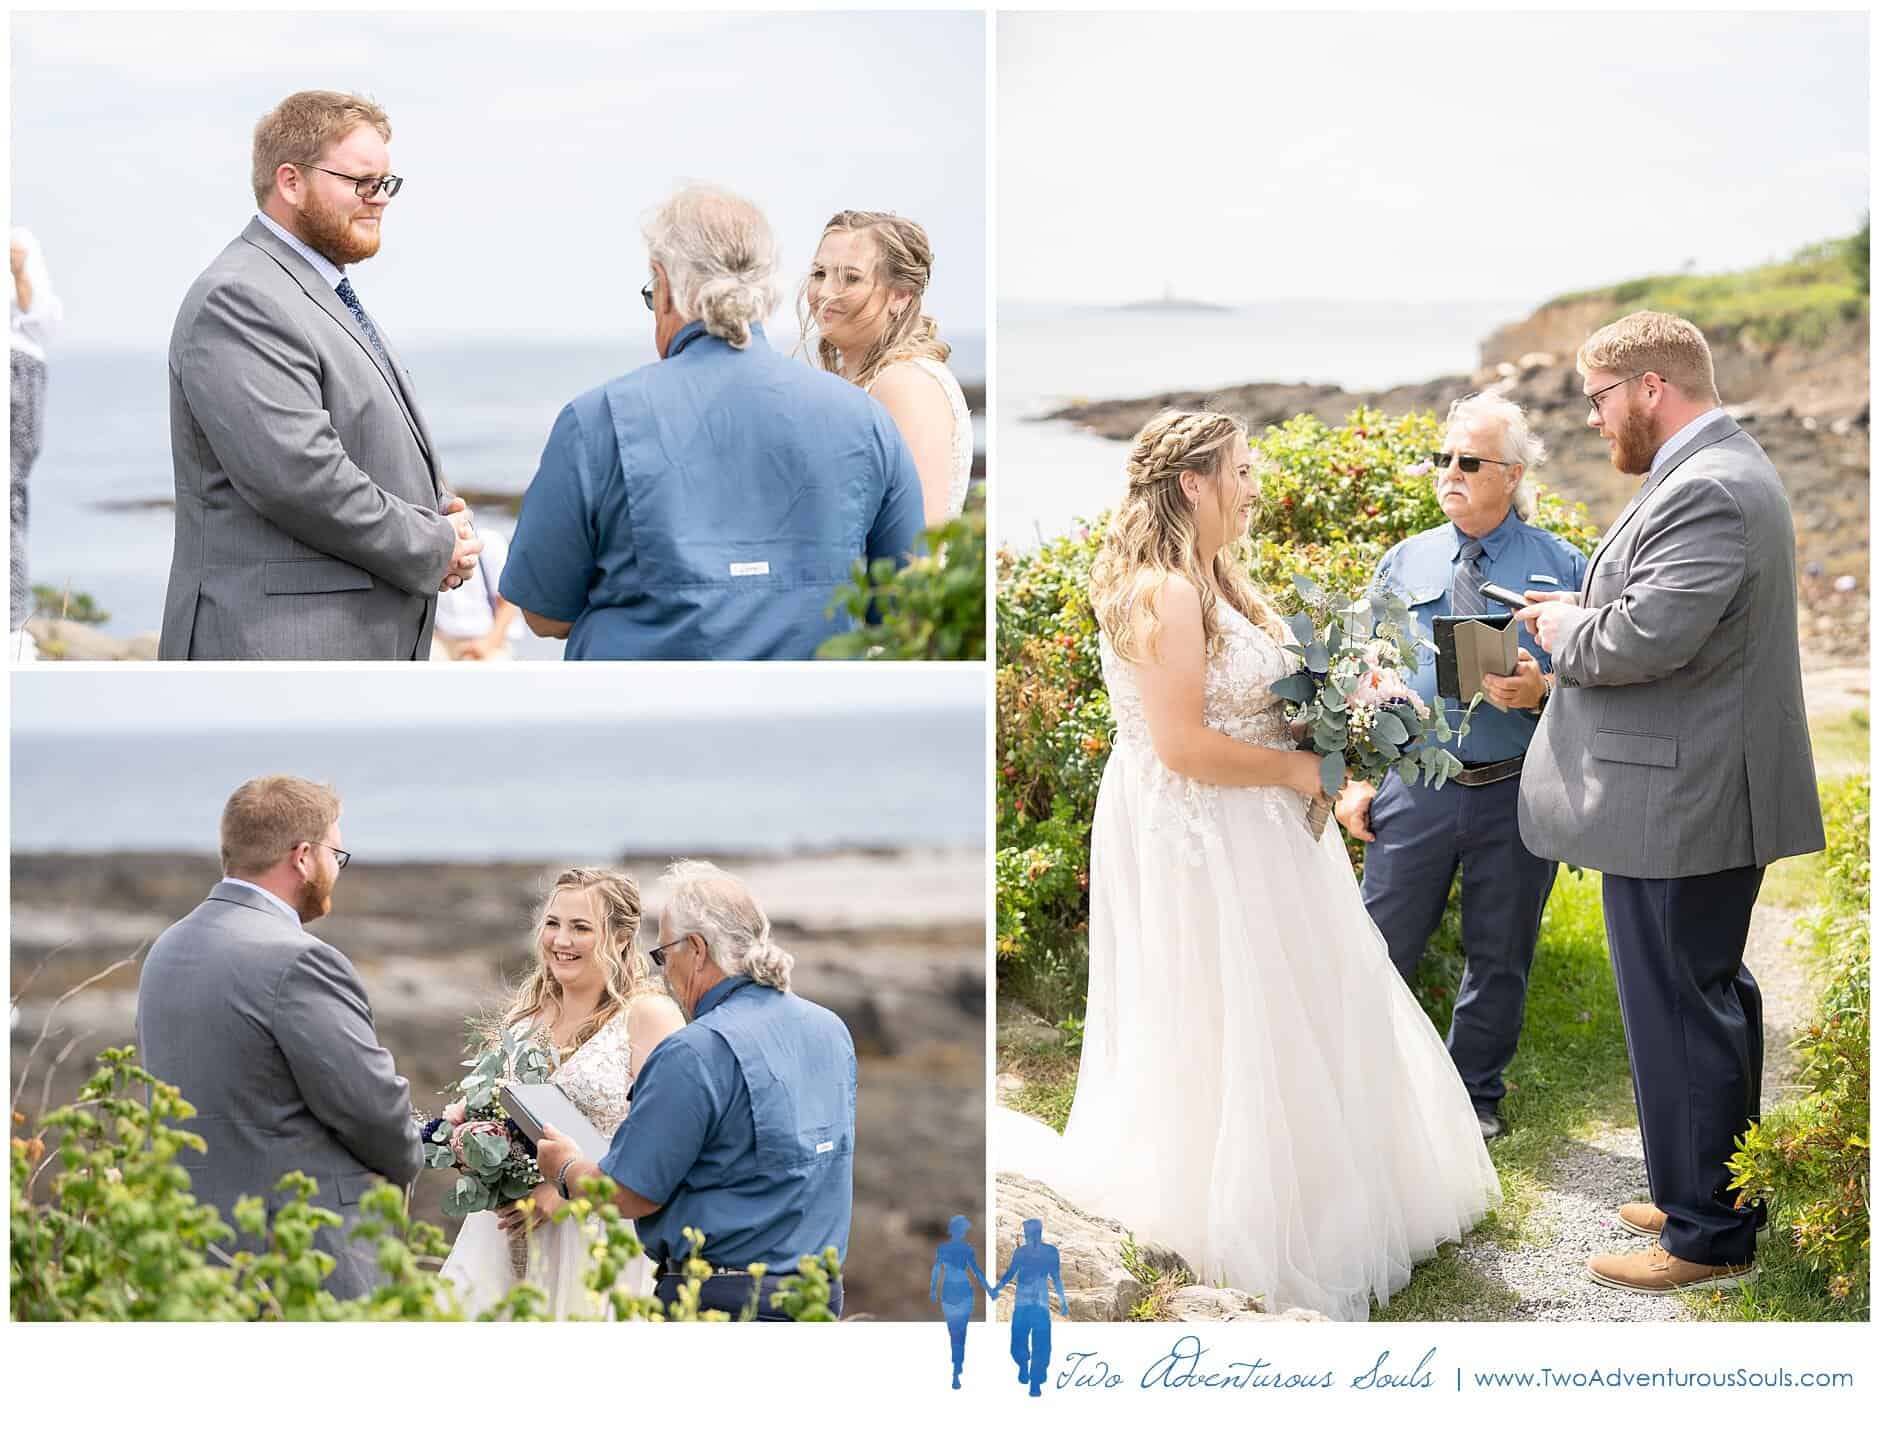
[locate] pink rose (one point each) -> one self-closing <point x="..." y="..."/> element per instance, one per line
<point x="454" y="1113"/>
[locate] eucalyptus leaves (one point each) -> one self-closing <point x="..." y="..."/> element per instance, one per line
<point x="1351" y="700"/>
<point x="495" y="1164"/>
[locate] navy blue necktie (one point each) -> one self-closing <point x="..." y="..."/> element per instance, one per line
<point x="358" y="310"/>
<point x="1465" y="589"/>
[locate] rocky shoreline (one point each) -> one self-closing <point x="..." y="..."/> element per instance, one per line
<point x="1812" y="418"/>
<point x="893" y="942"/>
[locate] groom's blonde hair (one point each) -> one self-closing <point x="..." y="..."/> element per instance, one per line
<point x="1661" y="343"/>
<point x="268" y="816"/>
<point x="719" y="255"/>
<point x="299" y="129"/>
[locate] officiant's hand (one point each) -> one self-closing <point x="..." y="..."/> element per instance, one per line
<point x="1354" y="809"/>
<point x="1521" y="691"/>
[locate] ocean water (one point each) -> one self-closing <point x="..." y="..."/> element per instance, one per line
<point x="577" y="790"/>
<point x="100" y="518"/>
<point x="1053" y="474"/>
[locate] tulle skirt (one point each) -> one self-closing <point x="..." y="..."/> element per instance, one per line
<point x="1258" y="1088"/>
<point x="480" y="1270"/>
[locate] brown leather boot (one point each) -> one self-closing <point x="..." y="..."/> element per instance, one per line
<point x="1654" y="1270"/>
<point x="1645" y="1219"/>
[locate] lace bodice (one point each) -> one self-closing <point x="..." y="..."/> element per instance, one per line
<point x="598" y="1076"/>
<point x="1237" y="699"/>
<point x="961" y="472"/>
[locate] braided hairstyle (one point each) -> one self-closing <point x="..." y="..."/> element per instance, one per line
<point x="903" y="264"/>
<point x="1153" y="534"/>
<point x="615" y="898"/>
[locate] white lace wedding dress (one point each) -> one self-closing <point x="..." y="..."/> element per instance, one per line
<point x="598" y="1078"/>
<point x="1259" y="1091"/>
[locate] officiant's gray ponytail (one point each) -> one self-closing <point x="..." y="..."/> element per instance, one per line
<point x="704" y="899"/>
<point x="720" y="257"/>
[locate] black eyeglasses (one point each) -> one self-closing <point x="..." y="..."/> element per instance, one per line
<point x="1468" y="462"/>
<point x="1592" y="399"/>
<point x="365" y="187"/>
<point x="342" y="857"/>
<point x="646" y="296"/>
<point x="658" y="953"/>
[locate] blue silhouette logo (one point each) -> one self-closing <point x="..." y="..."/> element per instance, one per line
<point x="955" y="1294"/>
<point x="1035" y="1266"/>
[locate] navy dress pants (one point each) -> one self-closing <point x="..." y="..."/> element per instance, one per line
<point x="1422" y="836"/>
<point x="1693" y="1028"/>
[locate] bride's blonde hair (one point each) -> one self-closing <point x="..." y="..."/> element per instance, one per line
<point x="903" y="264"/>
<point x="627" y="972"/>
<point x="1153" y="535"/>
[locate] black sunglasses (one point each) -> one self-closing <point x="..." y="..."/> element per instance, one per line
<point x="1468" y="462"/>
<point x="658" y="953"/>
<point x="646" y="296"/>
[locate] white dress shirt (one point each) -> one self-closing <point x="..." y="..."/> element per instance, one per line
<point x="237" y="880"/>
<point x="30" y="328"/>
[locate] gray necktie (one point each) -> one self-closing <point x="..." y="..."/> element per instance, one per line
<point x="1465" y="588"/>
<point x="358" y="309"/>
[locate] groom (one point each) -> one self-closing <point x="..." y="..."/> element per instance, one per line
<point x="311" y="516"/>
<point x="1674" y="757"/>
<point x="266" y="1030"/>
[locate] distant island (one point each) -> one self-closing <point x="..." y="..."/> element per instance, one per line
<point x="1169" y="303"/>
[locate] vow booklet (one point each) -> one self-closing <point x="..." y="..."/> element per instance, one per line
<point x="1469" y="648"/>
<point x="535" y="1107"/>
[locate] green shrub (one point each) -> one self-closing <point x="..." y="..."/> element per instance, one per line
<point x="1335" y="500"/>
<point x="68" y="605"/>
<point x="933" y="609"/>
<point x="1804" y="299"/>
<point x="119" y="1237"/>
<point x="1808" y="1159"/>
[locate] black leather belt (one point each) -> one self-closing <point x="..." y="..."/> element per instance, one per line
<point x="1488" y="774"/>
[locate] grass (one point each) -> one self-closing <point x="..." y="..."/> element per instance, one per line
<point x="1804" y="299"/>
<point x="1161" y="1284"/>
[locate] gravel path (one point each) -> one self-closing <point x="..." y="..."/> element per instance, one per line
<point x="1575" y="1217"/>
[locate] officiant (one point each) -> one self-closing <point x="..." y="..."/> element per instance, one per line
<point x="742" y="1123"/>
<point x="1417" y="835"/>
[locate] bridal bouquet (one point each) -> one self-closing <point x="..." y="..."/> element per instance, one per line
<point x="495" y="1163"/>
<point x="1351" y="702"/>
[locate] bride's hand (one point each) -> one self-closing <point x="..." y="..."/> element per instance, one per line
<point x="1302" y="773"/>
<point x="511" y="1218"/>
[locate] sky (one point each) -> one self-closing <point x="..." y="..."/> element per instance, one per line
<point x="163" y="697"/>
<point x="1417" y="158"/>
<point x="533" y="146"/>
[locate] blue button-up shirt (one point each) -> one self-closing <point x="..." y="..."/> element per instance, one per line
<point x="743" y="1127"/>
<point x="708" y="505"/>
<point x="1515" y="555"/>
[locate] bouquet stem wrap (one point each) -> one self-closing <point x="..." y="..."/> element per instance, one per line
<point x="519" y="1254"/>
<point x="1317" y="814"/>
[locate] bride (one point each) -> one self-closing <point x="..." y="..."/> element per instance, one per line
<point x="1258" y="1090"/>
<point x="860" y="308"/>
<point x="592" y="997"/>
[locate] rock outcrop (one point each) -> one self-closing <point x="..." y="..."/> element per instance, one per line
<point x="1098" y="1283"/>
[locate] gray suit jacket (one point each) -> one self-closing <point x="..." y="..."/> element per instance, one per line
<point x="1676" y="742"/>
<point x="308" y="496"/>
<point x="266" y="1030"/>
